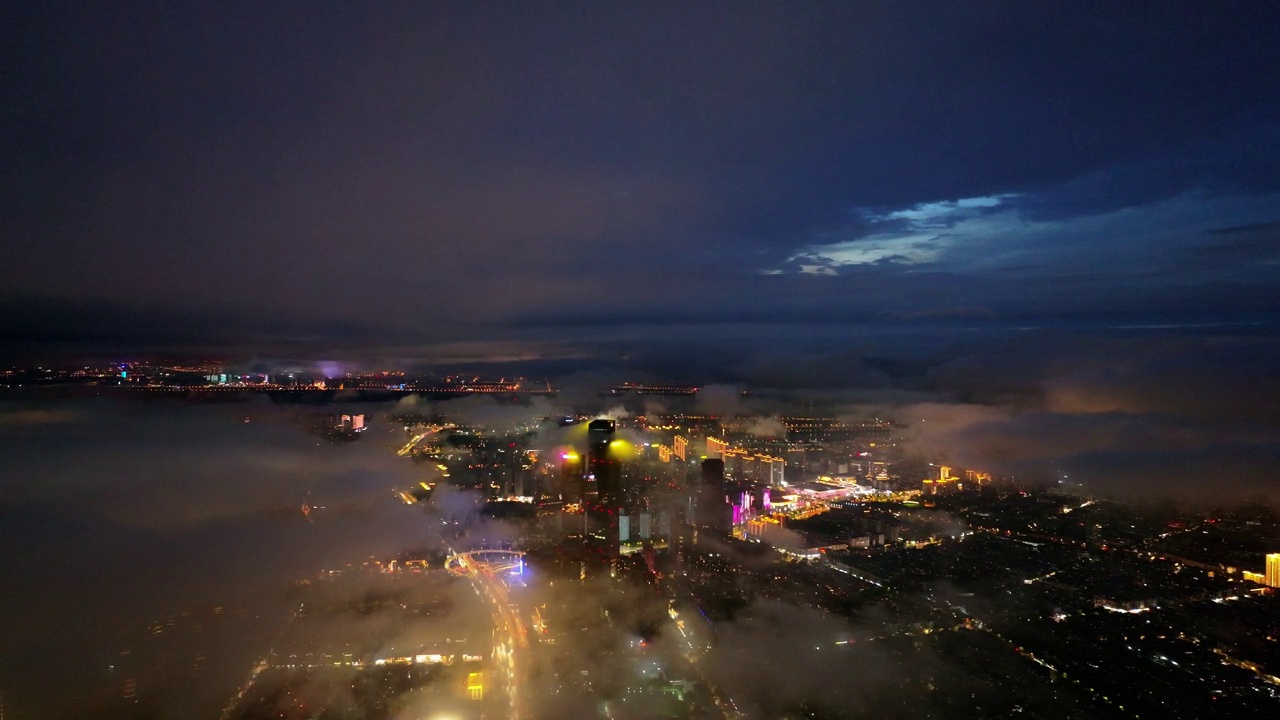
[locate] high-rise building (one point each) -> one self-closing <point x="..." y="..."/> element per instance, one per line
<point x="601" y="431"/>
<point x="571" y="488"/>
<point x="713" y="472"/>
<point x="712" y="509"/>
<point x="602" y="462"/>
<point x="1273" y="570"/>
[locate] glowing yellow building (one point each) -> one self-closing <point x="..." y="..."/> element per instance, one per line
<point x="1273" y="570"/>
<point x="679" y="446"/>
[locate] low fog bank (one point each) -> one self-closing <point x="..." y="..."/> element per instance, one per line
<point x="1186" y="417"/>
<point x="116" y="517"/>
<point x="1182" y="413"/>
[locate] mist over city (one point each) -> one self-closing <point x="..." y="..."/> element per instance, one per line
<point x="733" y="361"/>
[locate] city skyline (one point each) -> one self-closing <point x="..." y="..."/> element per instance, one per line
<point x="450" y="554"/>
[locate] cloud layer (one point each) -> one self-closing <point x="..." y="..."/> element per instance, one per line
<point x="440" y="175"/>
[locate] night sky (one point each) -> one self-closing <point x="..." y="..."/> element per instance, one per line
<point x="494" y="181"/>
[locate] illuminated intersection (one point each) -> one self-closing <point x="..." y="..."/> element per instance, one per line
<point x="488" y="562"/>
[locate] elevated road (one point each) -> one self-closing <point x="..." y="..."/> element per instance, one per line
<point x="486" y="570"/>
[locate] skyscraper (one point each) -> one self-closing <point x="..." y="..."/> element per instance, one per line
<point x="713" y="472"/>
<point x="571" y="489"/>
<point x="602" y="462"/>
<point x="712" y="510"/>
<point x="1273" y="570"/>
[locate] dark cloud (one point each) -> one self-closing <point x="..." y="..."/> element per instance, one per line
<point x="1140" y="414"/>
<point x="337" y="175"/>
<point x="1256" y="243"/>
<point x="1225" y="474"/>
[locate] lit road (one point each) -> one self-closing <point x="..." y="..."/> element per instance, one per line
<point x="695" y="647"/>
<point x="511" y="636"/>
<point x="257" y="669"/>
<point x="431" y="430"/>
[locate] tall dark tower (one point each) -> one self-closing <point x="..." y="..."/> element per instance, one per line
<point x="713" y="472"/>
<point x="605" y="473"/>
<point x="603" y="463"/>
<point x="712" y="511"/>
